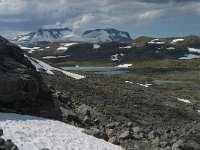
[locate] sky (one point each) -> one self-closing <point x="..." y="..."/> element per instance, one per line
<point x="158" y="18"/>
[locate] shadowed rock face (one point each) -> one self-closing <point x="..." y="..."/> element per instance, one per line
<point x="21" y="88"/>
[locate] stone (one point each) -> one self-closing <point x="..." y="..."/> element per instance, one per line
<point x="87" y="120"/>
<point x="113" y="140"/>
<point x="130" y="124"/>
<point x="97" y="133"/>
<point x="156" y="141"/>
<point x="137" y="137"/>
<point x="110" y="132"/>
<point x="70" y="116"/>
<point x="136" y="147"/>
<point x="179" y="145"/>
<point x="96" y="121"/>
<point x="111" y="125"/>
<point x="125" y="135"/>
<point x="1" y="132"/>
<point x="85" y="109"/>
<point x="151" y="135"/>
<point x="137" y="130"/>
<point x="163" y="144"/>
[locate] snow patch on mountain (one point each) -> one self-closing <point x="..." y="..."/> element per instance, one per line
<point x="41" y="66"/>
<point x="194" y="50"/>
<point x="156" y="41"/>
<point x="116" y="57"/>
<point x="54" y="57"/>
<point x="65" y="46"/>
<point x="144" y="85"/>
<point x="96" y="46"/>
<point x="190" y="56"/>
<point x="125" y="47"/>
<point x="124" y="65"/>
<point x="184" y="100"/>
<point x="170" y="48"/>
<point x="34" y="133"/>
<point x="177" y="40"/>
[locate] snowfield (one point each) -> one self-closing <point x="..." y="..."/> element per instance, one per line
<point x="34" y="133"/>
<point x="41" y="66"/>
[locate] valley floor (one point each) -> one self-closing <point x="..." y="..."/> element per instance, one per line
<point x="151" y="95"/>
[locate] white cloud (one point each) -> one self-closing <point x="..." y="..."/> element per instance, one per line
<point x="84" y="19"/>
<point x="149" y="15"/>
<point x="75" y="14"/>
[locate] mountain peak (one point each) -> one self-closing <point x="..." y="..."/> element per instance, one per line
<point x="108" y="34"/>
<point x="44" y="36"/>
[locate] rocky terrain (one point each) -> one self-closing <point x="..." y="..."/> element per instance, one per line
<point x="128" y="114"/>
<point x="7" y="144"/>
<point x="21" y="87"/>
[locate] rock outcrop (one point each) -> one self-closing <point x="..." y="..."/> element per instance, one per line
<point x="21" y="86"/>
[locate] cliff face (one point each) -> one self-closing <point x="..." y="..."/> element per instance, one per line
<point x="21" y="88"/>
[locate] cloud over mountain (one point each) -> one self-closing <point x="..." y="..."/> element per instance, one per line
<point x="23" y="15"/>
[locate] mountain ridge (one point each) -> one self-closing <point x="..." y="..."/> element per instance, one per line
<point x="44" y="36"/>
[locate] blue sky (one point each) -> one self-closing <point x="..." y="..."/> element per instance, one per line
<point x="160" y="18"/>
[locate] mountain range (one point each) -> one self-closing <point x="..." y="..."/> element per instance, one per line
<point x="44" y="36"/>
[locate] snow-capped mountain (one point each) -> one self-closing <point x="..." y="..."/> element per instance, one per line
<point x="43" y="36"/>
<point x="103" y="35"/>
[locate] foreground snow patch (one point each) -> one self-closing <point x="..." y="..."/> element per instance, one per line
<point x="41" y="66"/>
<point x="34" y="133"/>
<point x="184" y="100"/>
